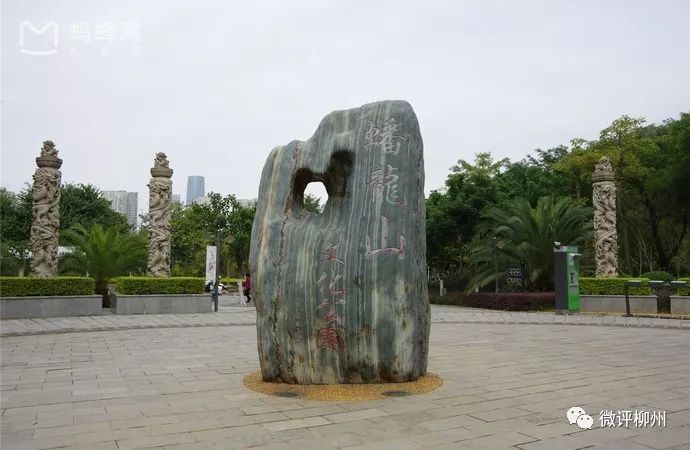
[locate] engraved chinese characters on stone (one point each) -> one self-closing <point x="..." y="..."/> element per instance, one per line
<point x="384" y="179"/>
<point x="385" y="137"/>
<point x="341" y="296"/>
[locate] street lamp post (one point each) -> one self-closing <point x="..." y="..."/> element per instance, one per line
<point x="217" y="274"/>
<point x="495" y="267"/>
<point x="629" y="283"/>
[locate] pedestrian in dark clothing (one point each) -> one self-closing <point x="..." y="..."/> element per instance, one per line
<point x="247" y="288"/>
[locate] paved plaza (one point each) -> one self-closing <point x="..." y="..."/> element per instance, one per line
<point x="176" y="382"/>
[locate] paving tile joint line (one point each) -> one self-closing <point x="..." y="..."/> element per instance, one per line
<point x="29" y="327"/>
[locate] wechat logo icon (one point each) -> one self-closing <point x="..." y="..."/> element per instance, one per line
<point x="577" y="415"/>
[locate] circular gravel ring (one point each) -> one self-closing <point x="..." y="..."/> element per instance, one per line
<point x="338" y="392"/>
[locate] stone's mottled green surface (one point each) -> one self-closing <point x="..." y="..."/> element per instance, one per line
<point x="341" y="296"/>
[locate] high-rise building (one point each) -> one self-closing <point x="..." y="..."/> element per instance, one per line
<point x="132" y="208"/>
<point x="176" y="198"/>
<point x="124" y="202"/>
<point x="195" y="188"/>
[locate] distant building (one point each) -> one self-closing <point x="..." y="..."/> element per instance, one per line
<point x="205" y="200"/>
<point x="246" y="203"/>
<point x="132" y="208"/>
<point x="8" y="194"/>
<point x="124" y="202"/>
<point x="195" y="188"/>
<point x="176" y="198"/>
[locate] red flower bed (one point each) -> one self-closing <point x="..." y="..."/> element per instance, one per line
<point x="507" y="301"/>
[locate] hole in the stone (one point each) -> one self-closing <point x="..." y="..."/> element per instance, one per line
<point x="330" y="187"/>
<point x="315" y="197"/>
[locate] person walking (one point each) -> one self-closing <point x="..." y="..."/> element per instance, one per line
<point x="247" y="288"/>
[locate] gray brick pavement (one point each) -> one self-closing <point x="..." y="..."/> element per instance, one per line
<point x="506" y="385"/>
<point x="231" y="315"/>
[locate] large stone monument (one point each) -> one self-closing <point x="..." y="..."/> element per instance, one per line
<point x="604" y="202"/>
<point x="160" y="196"/>
<point x="45" y="228"/>
<point x="341" y="296"/>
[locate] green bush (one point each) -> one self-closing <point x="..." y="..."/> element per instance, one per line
<point x="611" y="286"/>
<point x="658" y="275"/>
<point x="53" y="286"/>
<point x="685" y="290"/>
<point x="153" y="285"/>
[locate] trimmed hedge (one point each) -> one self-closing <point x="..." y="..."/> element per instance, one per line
<point x="685" y="290"/>
<point x="612" y="286"/>
<point x="40" y="287"/>
<point x="507" y="301"/>
<point x="156" y="285"/>
<point x="658" y="275"/>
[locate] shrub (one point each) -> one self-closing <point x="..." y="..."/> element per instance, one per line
<point x="154" y="285"/>
<point x="53" y="286"/>
<point x="685" y="290"/>
<point x="611" y="286"/>
<point x="658" y="275"/>
<point x="507" y="301"/>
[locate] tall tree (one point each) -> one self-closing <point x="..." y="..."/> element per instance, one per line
<point x="453" y="213"/>
<point x="15" y="225"/>
<point x="519" y="234"/>
<point x="195" y="227"/>
<point x="84" y="204"/>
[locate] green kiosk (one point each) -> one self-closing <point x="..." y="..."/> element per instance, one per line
<point x="566" y="261"/>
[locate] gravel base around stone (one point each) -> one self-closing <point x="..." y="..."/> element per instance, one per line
<point x="340" y="392"/>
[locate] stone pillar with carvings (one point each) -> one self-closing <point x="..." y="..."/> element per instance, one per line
<point x="160" y="196"/>
<point x="45" y="228"/>
<point x="604" y="203"/>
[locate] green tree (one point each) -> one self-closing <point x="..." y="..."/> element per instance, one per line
<point x="103" y="254"/>
<point x="239" y="226"/>
<point x="15" y="225"/>
<point x="533" y="177"/>
<point x="84" y="204"/>
<point x="312" y="203"/>
<point x="651" y="167"/>
<point x="453" y="213"/>
<point x="516" y="233"/>
<point x="195" y="227"/>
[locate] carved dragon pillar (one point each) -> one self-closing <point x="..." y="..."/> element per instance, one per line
<point x="604" y="203"/>
<point x="45" y="228"/>
<point x="160" y="196"/>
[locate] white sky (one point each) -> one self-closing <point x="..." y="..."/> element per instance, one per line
<point x="217" y="84"/>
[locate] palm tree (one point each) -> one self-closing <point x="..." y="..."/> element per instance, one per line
<point x="516" y="233"/>
<point x="103" y="254"/>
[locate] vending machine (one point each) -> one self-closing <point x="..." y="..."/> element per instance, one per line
<point x="566" y="261"/>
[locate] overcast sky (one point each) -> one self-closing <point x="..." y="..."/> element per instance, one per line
<point x="217" y="84"/>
